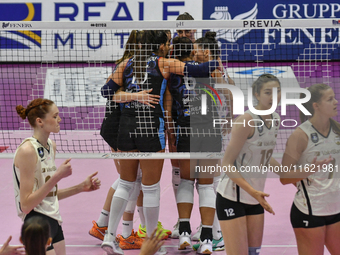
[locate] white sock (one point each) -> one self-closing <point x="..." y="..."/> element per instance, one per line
<point x="151" y="205"/>
<point x="141" y="216"/>
<point x="103" y="218"/>
<point x="117" y="209"/>
<point x="151" y="218"/>
<point x="127" y="228"/>
<point x="118" y="205"/>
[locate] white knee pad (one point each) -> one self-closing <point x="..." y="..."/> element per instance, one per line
<point x="151" y="195"/>
<point x="115" y="184"/>
<point x="136" y="190"/>
<point x="207" y="196"/>
<point x="185" y="192"/>
<point x="176" y="176"/>
<point x="124" y="189"/>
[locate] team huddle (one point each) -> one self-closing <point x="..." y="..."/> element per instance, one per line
<point x="154" y="103"/>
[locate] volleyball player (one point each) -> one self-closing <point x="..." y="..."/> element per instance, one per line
<point x="149" y="70"/>
<point x="182" y="49"/>
<point x="188" y="121"/>
<point x="205" y="49"/>
<point x="315" y="213"/>
<point x="176" y="178"/>
<point x="109" y="131"/>
<point x="36" y="176"/>
<point x="240" y="200"/>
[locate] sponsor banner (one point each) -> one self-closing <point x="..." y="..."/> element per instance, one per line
<point x="36" y="46"/>
<point x="70" y="87"/>
<point x="19" y="39"/>
<point x="93" y="10"/>
<point x="273" y="42"/>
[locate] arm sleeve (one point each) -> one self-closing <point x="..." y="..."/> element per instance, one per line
<point x="201" y="70"/>
<point x="109" y="89"/>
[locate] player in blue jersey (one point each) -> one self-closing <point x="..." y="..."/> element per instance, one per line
<point x="109" y="131"/>
<point x="176" y="179"/>
<point x="189" y="119"/>
<point x="142" y="126"/>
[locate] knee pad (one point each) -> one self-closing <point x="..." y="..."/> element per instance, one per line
<point x="254" y="250"/>
<point x="124" y="189"/>
<point x="207" y="196"/>
<point x="151" y="195"/>
<point x="131" y="205"/>
<point x="135" y="191"/>
<point x="176" y="176"/>
<point x="185" y="192"/>
<point x="115" y="184"/>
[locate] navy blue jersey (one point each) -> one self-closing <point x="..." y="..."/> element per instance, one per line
<point x="187" y="98"/>
<point x="180" y="98"/>
<point x="153" y="79"/>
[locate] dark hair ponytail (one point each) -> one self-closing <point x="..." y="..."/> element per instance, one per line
<point x="35" y="233"/>
<point x="148" y="42"/>
<point x="129" y="47"/>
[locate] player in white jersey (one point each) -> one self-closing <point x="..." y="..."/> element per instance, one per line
<point x="36" y="176"/>
<point x="315" y="213"/>
<point x="240" y="197"/>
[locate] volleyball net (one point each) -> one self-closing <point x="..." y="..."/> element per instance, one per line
<point x="69" y="62"/>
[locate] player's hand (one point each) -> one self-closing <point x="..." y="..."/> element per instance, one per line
<point x="260" y="196"/>
<point x="91" y="183"/>
<point x="152" y="244"/>
<point x="148" y="99"/>
<point x="6" y="249"/>
<point x="220" y="67"/>
<point x="65" y="169"/>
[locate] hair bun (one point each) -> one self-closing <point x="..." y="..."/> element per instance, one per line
<point x="210" y="35"/>
<point x="21" y="111"/>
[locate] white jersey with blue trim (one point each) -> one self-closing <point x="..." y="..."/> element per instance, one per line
<point x="44" y="169"/>
<point x="255" y="153"/>
<point x="319" y="193"/>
